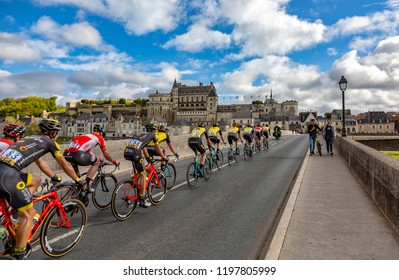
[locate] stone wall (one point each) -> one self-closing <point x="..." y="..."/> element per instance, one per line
<point x="377" y="173"/>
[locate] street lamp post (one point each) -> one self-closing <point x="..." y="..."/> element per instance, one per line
<point x="342" y="85"/>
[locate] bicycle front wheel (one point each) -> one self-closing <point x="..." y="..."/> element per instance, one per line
<point x="207" y="169"/>
<point x="170" y="173"/>
<point x="157" y="188"/>
<point x="220" y="158"/>
<point x="191" y="175"/>
<point x="124" y="199"/>
<point x="104" y="187"/>
<point x="57" y="238"/>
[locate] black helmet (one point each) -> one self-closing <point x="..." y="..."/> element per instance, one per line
<point x="201" y="124"/>
<point x="14" y="130"/>
<point x="150" y="127"/>
<point x="47" y="125"/>
<point x="215" y="124"/>
<point x="98" y="128"/>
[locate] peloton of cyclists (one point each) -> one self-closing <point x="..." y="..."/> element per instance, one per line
<point x="195" y="143"/>
<point x="249" y="136"/>
<point x="17" y="186"/>
<point x="79" y="153"/>
<point x="136" y="151"/>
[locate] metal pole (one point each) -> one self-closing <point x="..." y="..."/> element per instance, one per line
<point x="343" y="115"/>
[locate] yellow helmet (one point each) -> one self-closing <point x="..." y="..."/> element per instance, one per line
<point x="215" y="124"/>
<point x="201" y="124"/>
<point x="161" y="128"/>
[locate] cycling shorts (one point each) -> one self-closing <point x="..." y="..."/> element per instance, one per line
<point x="258" y="134"/>
<point x="136" y="157"/>
<point x="231" y="138"/>
<point x="214" y="139"/>
<point x="196" y="145"/>
<point x="14" y="187"/>
<point x="266" y="134"/>
<point x="80" y="158"/>
<point x="153" y="152"/>
<point x="248" y="138"/>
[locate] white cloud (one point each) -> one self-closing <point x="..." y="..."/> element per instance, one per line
<point x="137" y="16"/>
<point x="16" y="48"/>
<point x="77" y="34"/>
<point x="198" y="38"/>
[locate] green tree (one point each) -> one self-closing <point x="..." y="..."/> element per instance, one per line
<point x="122" y="101"/>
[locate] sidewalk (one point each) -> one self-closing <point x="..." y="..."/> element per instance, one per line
<point x="330" y="217"/>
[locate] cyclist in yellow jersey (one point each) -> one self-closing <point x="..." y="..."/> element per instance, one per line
<point x="195" y="143"/>
<point x="17" y="186"/>
<point x="232" y="136"/>
<point x="213" y="136"/>
<point x="249" y="136"/>
<point x="162" y="137"/>
<point x="266" y="134"/>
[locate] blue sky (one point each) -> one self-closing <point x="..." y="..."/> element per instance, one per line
<point x="103" y="49"/>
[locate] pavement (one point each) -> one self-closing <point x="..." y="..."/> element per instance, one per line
<point x="329" y="216"/>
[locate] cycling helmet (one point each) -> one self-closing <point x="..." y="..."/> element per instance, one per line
<point x="234" y="124"/>
<point x="14" y="130"/>
<point x="98" y="128"/>
<point x="47" y="125"/>
<point x="161" y="128"/>
<point x="215" y="124"/>
<point x="150" y="127"/>
<point x="201" y="124"/>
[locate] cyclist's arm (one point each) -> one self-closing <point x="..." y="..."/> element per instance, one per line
<point x="66" y="167"/>
<point x="159" y="150"/>
<point x="172" y="149"/>
<point x="107" y="155"/>
<point x="43" y="166"/>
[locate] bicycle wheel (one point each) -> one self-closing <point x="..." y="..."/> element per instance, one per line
<point x="157" y="188"/>
<point x="246" y="152"/>
<point x="124" y="199"/>
<point x="212" y="160"/>
<point x="56" y="238"/>
<point x="170" y="173"/>
<point x="104" y="187"/>
<point x="191" y="175"/>
<point x="207" y="169"/>
<point x="220" y="158"/>
<point x="230" y="157"/>
<point x="319" y="148"/>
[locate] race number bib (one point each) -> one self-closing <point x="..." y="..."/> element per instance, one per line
<point x="135" y="143"/>
<point x="11" y="156"/>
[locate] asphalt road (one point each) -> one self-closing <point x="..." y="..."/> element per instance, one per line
<point x="229" y="217"/>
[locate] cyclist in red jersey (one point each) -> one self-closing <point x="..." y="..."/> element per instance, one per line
<point x="258" y="133"/>
<point x="17" y="186"/>
<point x="12" y="133"/>
<point x="78" y="152"/>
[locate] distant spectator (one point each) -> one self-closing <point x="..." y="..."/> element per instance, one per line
<point x="329" y="135"/>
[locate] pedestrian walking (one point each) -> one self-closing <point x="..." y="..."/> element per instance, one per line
<point x="313" y="129"/>
<point x="329" y="135"/>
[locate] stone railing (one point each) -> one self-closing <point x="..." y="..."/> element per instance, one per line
<point x="377" y="173"/>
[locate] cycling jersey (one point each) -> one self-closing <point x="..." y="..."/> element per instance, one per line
<point x="4" y="144"/>
<point x="248" y="131"/>
<point x="198" y="132"/>
<point x="86" y="143"/>
<point x="133" y="150"/>
<point x="27" y="150"/>
<point x="214" y="131"/>
<point x="258" y="129"/>
<point x="233" y="131"/>
<point x="161" y="137"/>
<point x="195" y="141"/>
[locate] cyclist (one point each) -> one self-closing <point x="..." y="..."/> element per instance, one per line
<point x="266" y="133"/>
<point x="277" y="131"/>
<point x="313" y="129"/>
<point x="258" y="133"/>
<point x="249" y="136"/>
<point x="135" y="151"/>
<point x="213" y="137"/>
<point x="78" y="153"/>
<point x="162" y="136"/>
<point x="12" y="133"/>
<point x="232" y="136"/>
<point x="18" y="187"/>
<point x="195" y="143"/>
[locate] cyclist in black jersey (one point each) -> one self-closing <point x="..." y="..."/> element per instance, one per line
<point x="18" y="186"/>
<point x="135" y="151"/>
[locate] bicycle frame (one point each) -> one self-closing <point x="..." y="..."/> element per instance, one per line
<point x="53" y="202"/>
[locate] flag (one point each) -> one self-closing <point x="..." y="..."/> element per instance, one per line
<point x="237" y="97"/>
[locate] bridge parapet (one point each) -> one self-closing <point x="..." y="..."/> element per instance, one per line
<point x="377" y="173"/>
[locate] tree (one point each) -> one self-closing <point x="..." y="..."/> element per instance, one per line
<point x="122" y="101"/>
<point x="257" y="102"/>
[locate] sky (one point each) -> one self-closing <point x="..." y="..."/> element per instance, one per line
<point x="296" y="49"/>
